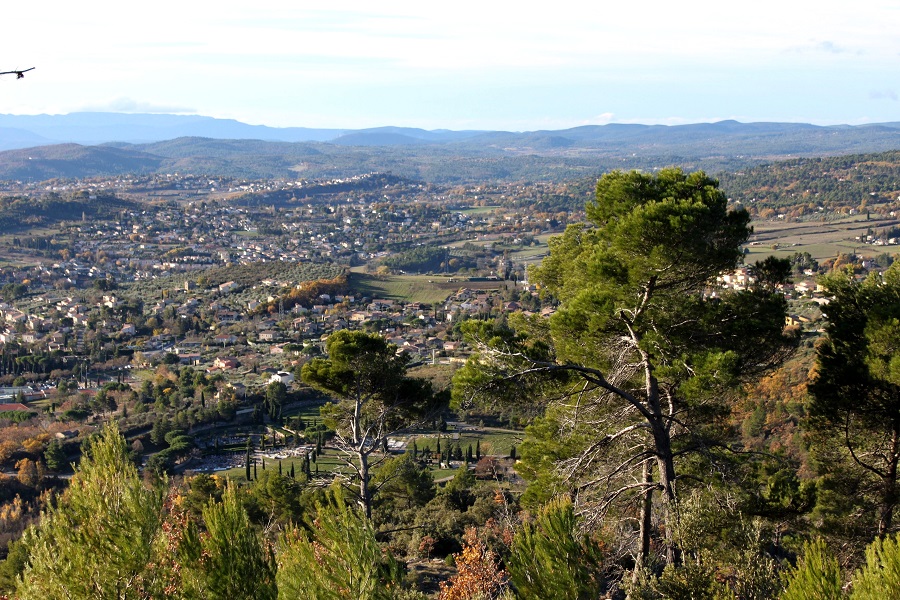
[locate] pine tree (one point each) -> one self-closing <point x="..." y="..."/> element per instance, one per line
<point x="550" y="559"/>
<point x="54" y="456"/>
<point x="96" y="541"/>
<point x="637" y="333"/>
<point x="817" y="575"/>
<point x="376" y="397"/>
<point x="342" y="559"/>
<point x="235" y="564"/>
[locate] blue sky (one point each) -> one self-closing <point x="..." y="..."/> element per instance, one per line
<point x="469" y="65"/>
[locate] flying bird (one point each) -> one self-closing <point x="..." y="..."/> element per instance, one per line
<point x="18" y="74"/>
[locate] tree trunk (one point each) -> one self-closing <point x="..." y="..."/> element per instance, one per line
<point x="665" y="460"/>
<point x="364" y="495"/>
<point x="665" y="465"/>
<point x="889" y="484"/>
<point x="646" y="521"/>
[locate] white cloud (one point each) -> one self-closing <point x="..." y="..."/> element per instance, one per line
<point x="128" y="105"/>
<point x="886" y="94"/>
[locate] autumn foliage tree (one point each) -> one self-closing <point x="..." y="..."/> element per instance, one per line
<point x="478" y="577"/>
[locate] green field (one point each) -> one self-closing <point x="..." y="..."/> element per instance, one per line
<point x="493" y="441"/>
<point x="529" y="255"/>
<point x="414" y="288"/>
<point x="328" y="464"/>
<point x="822" y="240"/>
<point x="477" y="210"/>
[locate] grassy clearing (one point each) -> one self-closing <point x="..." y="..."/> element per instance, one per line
<point x="533" y="254"/>
<point x="477" y="210"/>
<point x="328" y="466"/>
<point x="497" y="442"/>
<point x="439" y="375"/>
<point x="414" y="288"/>
<point x="307" y="411"/>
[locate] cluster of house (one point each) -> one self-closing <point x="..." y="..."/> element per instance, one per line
<point x="742" y="278"/>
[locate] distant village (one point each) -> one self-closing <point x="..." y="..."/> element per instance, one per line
<point x="135" y="288"/>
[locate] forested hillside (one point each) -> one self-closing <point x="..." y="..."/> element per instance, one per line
<point x="857" y="181"/>
<point x="17" y="213"/>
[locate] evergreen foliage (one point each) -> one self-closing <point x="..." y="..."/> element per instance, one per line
<point x="233" y="562"/>
<point x="856" y="386"/>
<point x="817" y="575"/>
<point x="880" y="576"/>
<point x="552" y="560"/>
<point x="96" y="541"/>
<point x="639" y="358"/>
<point x="376" y="397"/>
<point x="340" y="559"/>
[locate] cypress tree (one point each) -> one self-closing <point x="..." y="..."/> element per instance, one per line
<point x="292" y="471"/>
<point x="478" y="450"/>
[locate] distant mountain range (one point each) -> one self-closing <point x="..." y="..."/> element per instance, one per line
<point x="40" y="147"/>
<point x="94" y="128"/>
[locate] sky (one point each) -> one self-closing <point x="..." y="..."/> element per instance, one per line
<point x="519" y="66"/>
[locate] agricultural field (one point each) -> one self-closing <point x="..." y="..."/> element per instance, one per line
<point x="427" y="289"/>
<point x="821" y="239"/>
<point x="477" y="210"/>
